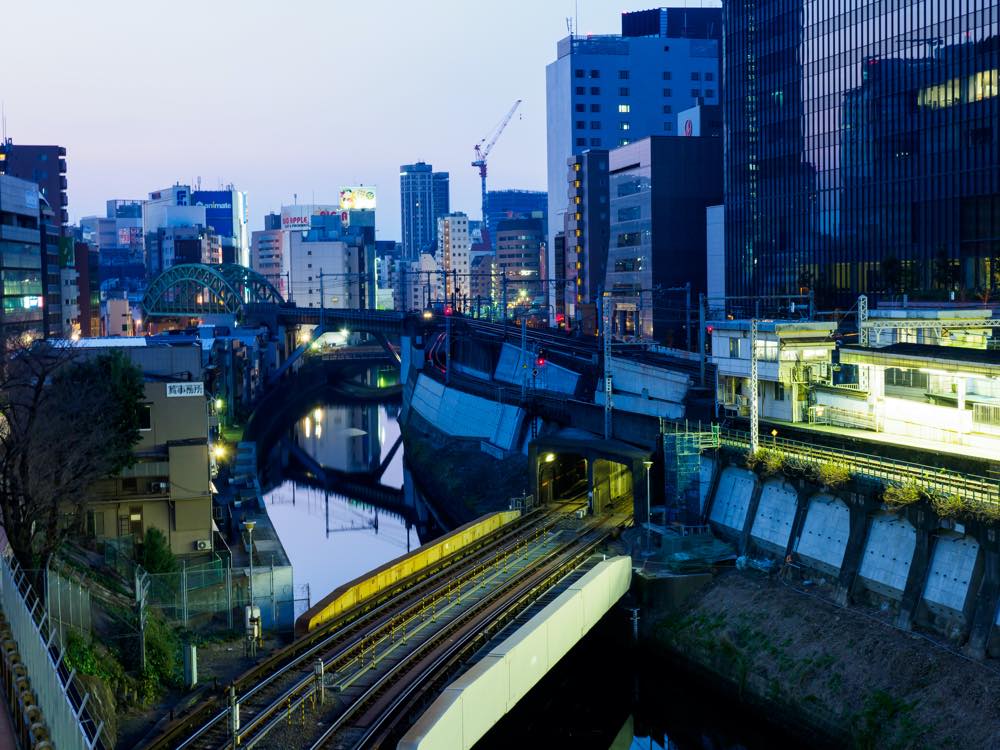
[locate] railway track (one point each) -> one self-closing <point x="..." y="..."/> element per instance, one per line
<point x="285" y="678"/>
<point x="384" y="721"/>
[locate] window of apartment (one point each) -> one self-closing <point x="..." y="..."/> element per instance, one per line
<point x="595" y="142"/>
<point x="579" y="73"/>
<point x="595" y="74"/>
<point x="667" y="109"/>
<point x="622" y="75"/>
<point x="624" y="108"/>
<point x="623" y="91"/>
<point x="629" y="214"/>
<point x="695" y="76"/>
<point x="709" y="92"/>
<point x="595" y="125"/>
<point x="734" y="347"/>
<point x="581" y="108"/>
<point x="666" y="75"/>
<point x="668" y="126"/>
<point x="779" y="392"/>
<point x="130" y="484"/>
<point x="595" y="90"/>
<point x="595" y="107"/>
<point x="580" y="124"/>
<point x="580" y="90"/>
<point x="624" y="126"/>
<point x="623" y="141"/>
<point x="668" y="92"/>
<point x="709" y="76"/>
<point x="145" y="416"/>
<point x="695" y="92"/>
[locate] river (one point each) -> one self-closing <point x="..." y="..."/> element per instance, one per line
<point x="604" y="694"/>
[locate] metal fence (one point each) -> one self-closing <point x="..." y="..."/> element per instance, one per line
<point x="978" y="489"/>
<point x="68" y="605"/>
<point x="63" y="703"/>
<point x="213" y="595"/>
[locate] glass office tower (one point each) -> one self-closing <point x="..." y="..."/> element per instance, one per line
<point x="861" y="151"/>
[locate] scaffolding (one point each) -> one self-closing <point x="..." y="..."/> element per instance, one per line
<point x="682" y="449"/>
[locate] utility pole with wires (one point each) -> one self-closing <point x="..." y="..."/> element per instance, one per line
<point x="754" y="387"/>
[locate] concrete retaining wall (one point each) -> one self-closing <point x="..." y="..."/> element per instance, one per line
<point x="480" y="697"/>
<point x="732" y="499"/>
<point x="707" y="468"/>
<point x="948" y="591"/>
<point x="825" y="532"/>
<point x="888" y="553"/>
<point x="515" y="365"/>
<point x="464" y="415"/>
<point x="772" y="525"/>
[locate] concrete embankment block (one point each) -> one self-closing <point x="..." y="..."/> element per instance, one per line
<point x="825" y="533"/>
<point x="732" y="500"/>
<point x="885" y="564"/>
<point x="772" y="525"/>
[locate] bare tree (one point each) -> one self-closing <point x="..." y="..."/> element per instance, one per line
<point x="65" y="422"/>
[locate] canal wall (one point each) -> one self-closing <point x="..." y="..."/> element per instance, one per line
<point x="930" y="573"/>
<point x="480" y="697"/>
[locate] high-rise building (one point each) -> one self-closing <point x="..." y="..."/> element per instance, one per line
<point x="325" y="264"/>
<point x="268" y="253"/>
<point x="423" y="200"/>
<point x="177" y="245"/>
<point x="587" y="231"/>
<point x="46" y="167"/>
<point x="514" y="204"/>
<point x="520" y="243"/>
<point x="862" y="151"/>
<point x="660" y="188"/>
<point x="22" y="293"/>
<point x="226" y="215"/>
<point x="118" y="240"/>
<point x="454" y="247"/>
<point x="605" y="91"/>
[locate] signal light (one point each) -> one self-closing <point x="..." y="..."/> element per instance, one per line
<point x="709" y="329"/>
<point x="448" y="310"/>
<point x="540" y="361"/>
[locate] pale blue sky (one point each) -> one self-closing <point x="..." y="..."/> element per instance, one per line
<point x="284" y="97"/>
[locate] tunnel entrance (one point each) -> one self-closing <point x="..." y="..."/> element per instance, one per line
<point x="612" y="483"/>
<point x="562" y="477"/>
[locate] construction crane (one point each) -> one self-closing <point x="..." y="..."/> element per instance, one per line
<point x="483" y="149"/>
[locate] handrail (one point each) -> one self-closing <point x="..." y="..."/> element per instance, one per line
<point x="972" y="486"/>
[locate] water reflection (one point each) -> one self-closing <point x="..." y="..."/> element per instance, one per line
<point x="334" y="489"/>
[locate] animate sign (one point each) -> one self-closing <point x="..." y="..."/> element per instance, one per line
<point x="184" y="390"/>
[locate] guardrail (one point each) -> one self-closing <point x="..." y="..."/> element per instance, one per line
<point x="63" y="704"/>
<point x="977" y="488"/>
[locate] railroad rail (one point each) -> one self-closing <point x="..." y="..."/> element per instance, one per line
<point x="286" y="680"/>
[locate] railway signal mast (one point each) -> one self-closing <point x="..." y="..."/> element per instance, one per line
<point x="486" y="145"/>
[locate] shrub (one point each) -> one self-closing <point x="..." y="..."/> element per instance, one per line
<point x="898" y="496"/>
<point x="156" y="554"/>
<point x="767" y="461"/>
<point x="948" y="506"/>
<point x="833" y="474"/>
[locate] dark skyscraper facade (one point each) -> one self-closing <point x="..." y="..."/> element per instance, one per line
<point x="423" y="200"/>
<point x="862" y="151"/>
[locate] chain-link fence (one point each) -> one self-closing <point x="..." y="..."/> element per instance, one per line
<point x="68" y="605"/>
<point x="213" y="596"/>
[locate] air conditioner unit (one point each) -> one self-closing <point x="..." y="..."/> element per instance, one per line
<point x="203" y="545"/>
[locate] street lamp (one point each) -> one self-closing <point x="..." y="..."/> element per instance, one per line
<point x="648" y="464"/>
<point x="249" y="526"/>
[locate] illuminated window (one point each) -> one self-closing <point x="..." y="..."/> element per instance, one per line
<point x="983" y="85"/>
<point x="624" y="108"/>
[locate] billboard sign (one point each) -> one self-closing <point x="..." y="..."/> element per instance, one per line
<point x="218" y="210"/>
<point x="185" y="390"/>
<point x="299" y="216"/>
<point x="357" y="199"/>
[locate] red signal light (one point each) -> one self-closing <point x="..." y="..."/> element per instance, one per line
<point x="447" y="310"/>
